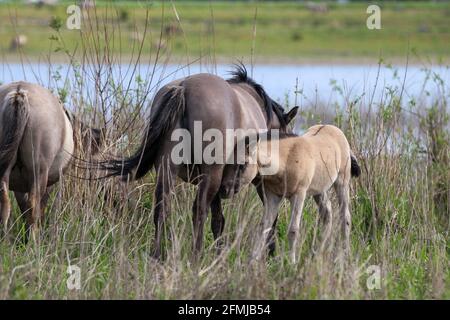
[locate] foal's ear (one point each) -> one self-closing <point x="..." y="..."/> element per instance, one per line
<point x="290" y="115"/>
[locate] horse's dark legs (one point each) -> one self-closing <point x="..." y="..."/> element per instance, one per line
<point x="207" y="190"/>
<point x="217" y="221"/>
<point x="271" y="204"/>
<point x="163" y="189"/>
<point x="33" y="202"/>
<point x="271" y="238"/>
<point x="5" y="202"/>
<point x="45" y="198"/>
<point x="22" y="201"/>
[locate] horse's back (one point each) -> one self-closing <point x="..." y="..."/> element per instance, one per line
<point x="210" y="99"/>
<point x="331" y="140"/>
<point x="331" y="153"/>
<point x="328" y="136"/>
<point x="211" y="102"/>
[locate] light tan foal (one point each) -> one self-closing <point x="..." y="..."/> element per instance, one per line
<point x="308" y="165"/>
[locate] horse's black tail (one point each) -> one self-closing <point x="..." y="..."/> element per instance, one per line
<point x="13" y="124"/>
<point x="169" y="109"/>
<point x="355" y="169"/>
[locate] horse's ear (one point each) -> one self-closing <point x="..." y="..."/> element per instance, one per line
<point x="98" y="135"/>
<point x="103" y="133"/>
<point x="290" y="115"/>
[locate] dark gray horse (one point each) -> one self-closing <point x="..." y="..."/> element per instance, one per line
<point x="215" y="103"/>
<point x="37" y="140"/>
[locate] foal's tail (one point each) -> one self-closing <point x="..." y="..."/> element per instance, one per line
<point x="355" y="169"/>
<point x="12" y="126"/>
<point x="170" y="108"/>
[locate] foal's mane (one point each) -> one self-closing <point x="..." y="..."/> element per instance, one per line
<point x="240" y="75"/>
<point x="280" y="136"/>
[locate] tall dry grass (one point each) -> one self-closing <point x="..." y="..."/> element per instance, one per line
<point x="399" y="205"/>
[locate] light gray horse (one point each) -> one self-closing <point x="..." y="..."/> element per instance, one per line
<point x="215" y="103"/>
<point x="37" y="140"/>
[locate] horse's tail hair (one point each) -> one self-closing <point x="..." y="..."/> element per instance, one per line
<point x="13" y="123"/>
<point x="355" y="169"/>
<point x="169" y="110"/>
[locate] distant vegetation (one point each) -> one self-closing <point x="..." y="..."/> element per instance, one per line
<point x="276" y="30"/>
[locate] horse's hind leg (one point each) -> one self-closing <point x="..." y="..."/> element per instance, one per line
<point x="326" y="217"/>
<point x="24" y="204"/>
<point x="5" y="203"/>
<point x="34" y="212"/>
<point x="165" y="179"/>
<point x="343" y="194"/>
<point x="208" y="188"/>
<point x="217" y="221"/>
<point x="44" y="200"/>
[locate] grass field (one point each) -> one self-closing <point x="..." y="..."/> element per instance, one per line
<point x="400" y="204"/>
<point x="276" y="31"/>
<point x="400" y="212"/>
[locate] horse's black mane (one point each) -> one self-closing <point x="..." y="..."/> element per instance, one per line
<point x="240" y="75"/>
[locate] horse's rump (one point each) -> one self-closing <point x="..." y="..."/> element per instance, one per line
<point x="14" y="118"/>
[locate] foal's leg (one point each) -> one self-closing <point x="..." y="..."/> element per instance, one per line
<point x="165" y="179"/>
<point x="325" y="215"/>
<point x="342" y="190"/>
<point x="297" y="202"/>
<point x="217" y="221"/>
<point x="271" y="203"/>
<point x="207" y="190"/>
<point x="5" y="202"/>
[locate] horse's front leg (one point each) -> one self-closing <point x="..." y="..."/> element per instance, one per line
<point x="208" y="189"/>
<point x="271" y="239"/>
<point x="271" y="204"/>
